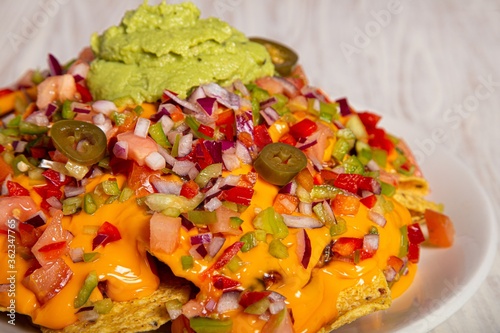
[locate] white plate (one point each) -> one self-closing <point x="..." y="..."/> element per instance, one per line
<point x="446" y="278"/>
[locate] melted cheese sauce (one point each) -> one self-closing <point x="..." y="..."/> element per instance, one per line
<point x="311" y="292"/>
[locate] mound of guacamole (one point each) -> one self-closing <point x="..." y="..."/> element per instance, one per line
<point x="170" y="47"/>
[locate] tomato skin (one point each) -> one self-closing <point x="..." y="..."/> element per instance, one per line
<point x="224" y="258"/>
<point x="47" y="281"/>
<point x="396" y="263"/>
<point x="206" y="130"/>
<point x="85" y="94"/>
<point x="303" y="128"/>
<point x="164" y="233"/>
<point x="222" y="282"/>
<point x="441" y="229"/>
<point x="16" y="189"/>
<point x="288" y="138"/>
<point x="345" y="204"/>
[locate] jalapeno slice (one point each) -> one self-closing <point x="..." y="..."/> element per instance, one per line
<point x="81" y="142"/>
<point x="279" y="162"/>
<point x="282" y="57"/>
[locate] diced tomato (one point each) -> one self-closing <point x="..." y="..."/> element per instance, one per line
<point x="270" y="84"/>
<point x="285" y="203"/>
<point x="223" y="259"/>
<point x="223" y="224"/>
<point x="396" y="263"/>
<point x="413" y="252"/>
<point x="190" y="189"/>
<point x="441" y="229"/>
<point x="164" y="233"/>
<point x="85" y="94"/>
<point x="377" y="138"/>
<point x="138" y="147"/>
<point x="222" y="282"/>
<point x="239" y="195"/>
<point x="415" y="234"/>
<point x="28" y="234"/>
<point x="48" y="280"/>
<point x="370" y="120"/>
<point x="280" y="322"/>
<point x="25" y="208"/>
<point x="328" y="176"/>
<point x="345" y="246"/>
<point x="303" y="128"/>
<point x="16" y="189"/>
<point x="225" y="118"/>
<point x="345" y="204"/>
<point x="261" y="136"/>
<point x="348" y="182"/>
<point x="5" y="170"/>
<point x="139" y="179"/>
<point x="54" y="241"/>
<point x="288" y="138"/>
<point x="106" y="234"/>
<point x="206" y="130"/>
<point x="47" y="191"/>
<point x="369" y="201"/>
<point x="248" y="298"/>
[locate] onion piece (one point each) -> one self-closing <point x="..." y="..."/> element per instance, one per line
<point x="182" y="168"/>
<point x="294" y="221"/>
<point x="209" y="104"/>
<point x="203" y="238"/>
<point x="54" y="66"/>
<point x="229" y="301"/>
<point x="389" y="273"/>
<point x="344" y="106"/>
<point x="142" y="127"/>
<point x="185" y="145"/>
<point x="54" y="202"/>
<point x="270" y="115"/>
<point x="104" y="107"/>
<point x="80" y="107"/>
<point x="222" y="95"/>
<point x="303" y="248"/>
<point x="76" y="254"/>
<point x="165" y="186"/>
<point x="155" y="161"/>
<point x="37" y="220"/>
<point x="238" y="85"/>
<point x="73" y="191"/>
<point x="371" y="242"/>
<point x="19" y="146"/>
<point x="51" y="109"/>
<point x="38" y="118"/>
<point x="120" y="149"/>
<point x="231" y="161"/>
<point x="183" y="103"/>
<point x="213" y="204"/>
<point x="198" y="252"/>
<point x="215" y="245"/>
<point x="87" y="315"/>
<point x="377" y="218"/>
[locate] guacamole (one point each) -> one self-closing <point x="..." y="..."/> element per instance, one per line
<point x="170" y="47"/>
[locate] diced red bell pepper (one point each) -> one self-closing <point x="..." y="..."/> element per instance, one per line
<point x="370" y="120"/>
<point x="206" y="130"/>
<point x="222" y="282"/>
<point x="5" y="91"/>
<point x="261" y="136"/>
<point x="225" y="118"/>
<point x="248" y="298"/>
<point x="16" y="190"/>
<point x="413" y="252"/>
<point x="47" y="191"/>
<point x="377" y="138"/>
<point x="348" y="182"/>
<point x="345" y="204"/>
<point x="415" y="234"/>
<point x="190" y="189"/>
<point x="396" y="263"/>
<point x="288" y="138"/>
<point x="38" y="152"/>
<point x="55" y="177"/>
<point x="85" y="94"/>
<point x="369" y="201"/>
<point x="224" y="258"/>
<point x="202" y="155"/>
<point x="345" y="246"/>
<point x="239" y="195"/>
<point x="106" y="234"/>
<point x="228" y="131"/>
<point x="303" y="128"/>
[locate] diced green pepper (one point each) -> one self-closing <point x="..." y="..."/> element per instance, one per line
<point x="211" y="325"/>
<point x="88" y="286"/>
<point x="387" y="189"/>
<point x="32" y="129"/>
<point x="322" y="192"/>
<point x="205" y="175"/>
<point x="403" y="245"/>
<point x="103" y="306"/>
<point x="250" y="241"/>
<point x="340" y="149"/>
<point x="175" y="147"/>
<point x="125" y="194"/>
<point x="277" y="249"/>
<point x="380" y="157"/>
<point x="20" y="164"/>
<point x="89" y="205"/>
<point x="259" y="307"/>
<point x="202" y="217"/>
<point x="353" y="165"/>
<point x="187" y="262"/>
<point x="156" y="132"/>
<point x="323" y="215"/>
<point x="111" y="187"/>
<point x="357" y="127"/>
<point x="234" y="264"/>
<point x="71" y="205"/>
<point x="271" y="222"/>
<point x="66" y="111"/>
<point x="339" y="228"/>
<point x="235" y="222"/>
<point x="91" y="256"/>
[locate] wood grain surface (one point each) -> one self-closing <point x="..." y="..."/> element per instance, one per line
<point x="432" y="63"/>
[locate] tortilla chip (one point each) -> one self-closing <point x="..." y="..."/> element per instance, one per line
<point x="359" y="301"/>
<point x="139" y="315"/>
<point x="416" y="202"/>
<point x="413" y="184"/>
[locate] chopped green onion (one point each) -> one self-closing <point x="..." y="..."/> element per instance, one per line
<point x="91" y="256"/>
<point x="234" y="264"/>
<point x="259" y="307"/>
<point x="88" y="286"/>
<point x="89" y="205"/>
<point x="125" y="194"/>
<point x="71" y="205"/>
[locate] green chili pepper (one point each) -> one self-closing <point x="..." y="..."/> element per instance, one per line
<point x="387" y="189"/>
<point x="250" y="241"/>
<point x="205" y="175"/>
<point x="71" y="205"/>
<point x="202" y="217"/>
<point x="20" y="164"/>
<point x="210" y="325"/>
<point x="29" y="128"/>
<point x="322" y="192"/>
<point x="187" y="262"/>
<point x="234" y="264"/>
<point x="156" y="132"/>
<point x="235" y="222"/>
<point x="81" y="142"/>
<point x="175" y="147"/>
<point x="353" y="165"/>
<point x="403" y="247"/>
<point x="328" y="111"/>
<point x="339" y="228"/>
<point x="278" y="163"/>
<point x="277" y="249"/>
<point x="88" y="286"/>
<point x="111" y="187"/>
<point x="271" y="222"/>
<point x="89" y="205"/>
<point x="91" y="256"/>
<point x="66" y="112"/>
<point x="125" y="194"/>
<point x="259" y="307"/>
<point x="103" y="306"/>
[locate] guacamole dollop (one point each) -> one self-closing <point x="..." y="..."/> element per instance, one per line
<point x="170" y="47"/>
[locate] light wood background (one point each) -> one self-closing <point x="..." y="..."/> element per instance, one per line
<point x="433" y="63"/>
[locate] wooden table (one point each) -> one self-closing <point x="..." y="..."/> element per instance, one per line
<point x="432" y="63"/>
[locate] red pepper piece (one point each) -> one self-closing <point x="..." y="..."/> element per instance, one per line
<point x="303" y="128"/>
<point x="206" y="130"/>
<point x="415" y="234"/>
<point x="5" y="91"/>
<point x="239" y="195"/>
<point x="38" y="152"/>
<point x="288" y="138"/>
<point x="370" y="120"/>
<point x="261" y="136"/>
<point x="396" y="263"/>
<point x="85" y="94"/>
<point x="224" y="283"/>
<point x="190" y="189"/>
<point x="225" y="118"/>
<point x="106" y="234"/>
<point x="16" y="189"/>
<point x="55" y="177"/>
<point x="52" y="247"/>
<point x="348" y="182"/>
<point x="345" y="246"/>
<point x="413" y="252"/>
<point x="369" y="201"/>
<point x="225" y="257"/>
<point x="248" y="298"/>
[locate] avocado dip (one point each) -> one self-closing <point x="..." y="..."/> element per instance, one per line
<point x="169" y="47"/>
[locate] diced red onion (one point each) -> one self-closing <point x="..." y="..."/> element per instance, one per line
<point x="371" y="242"/>
<point x="193" y="172"/>
<point x="38" y="118"/>
<point x="80" y="107"/>
<point x="142" y="127"/>
<point x="183" y="103"/>
<point x="328" y="210"/>
<point x="213" y="204"/>
<point x="294" y="221"/>
<point x="203" y="238"/>
<point x="315" y="162"/>
<point x="209" y="104"/>
<point x="305" y="208"/>
<point x="73" y="191"/>
<point x="104" y="107"/>
<point x="229" y="181"/>
<point x="389" y="273"/>
<point x="37" y="220"/>
<point x="243" y="153"/>
<point x="231" y="161"/>
<point x="214" y="190"/>
<point x="215" y="245"/>
<point x="19" y="146"/>
<point x="168" y="158"/>
<point x="54" y="66"/>
<point x="120" y="149"/>
<point x="182" y="167"/>
<point x="222" y="95"/>
<point x="76" y="254"/>
<point x="244" y="123"/>
<point x="166" y="187"/>
<point x="185" y="145"/>
<point x="227" y="145"/>
<point x="238" y="85"/>
<point x="268" y="102"/>
<point x="166" y="123"/>
<point x="270" y="115"/>
<point x="99" y="119"/>
<point x="51" y="109"/>
<point x="338" y="124"/>
<point x="155" y="161"/>
<point x="377" y="218"/>
<point x="54" y="202"/>
<point x="186" y="224"/>
<point x="215" y="150"/>
<point x="276" y="307"/>
<point x="344" y="106"/>
<point x="307" y="144"/>
<point x="210" y="305"/>
<point x="198" y="252"/>
<point x="79" y="71"/>
<point x="290" y="188"/>
<point x="229" y="301"/>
